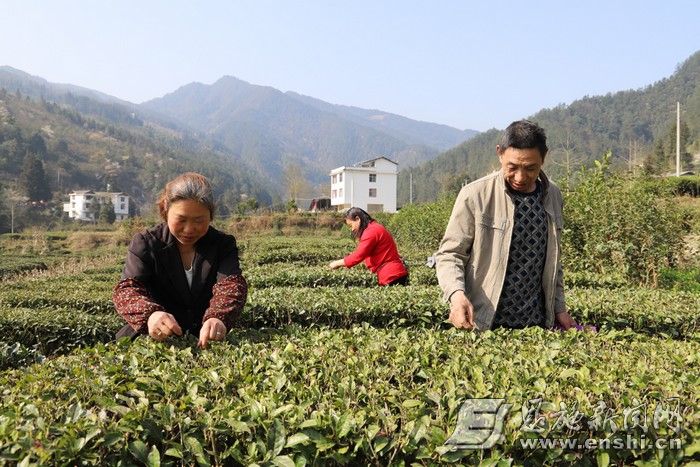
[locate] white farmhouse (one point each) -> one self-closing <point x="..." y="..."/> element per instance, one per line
<point x="370" y="185"/>
<point x="84" y="205"/>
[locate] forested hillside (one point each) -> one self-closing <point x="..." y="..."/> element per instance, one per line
<point x="288" y="140"/>
<point x="638" y="126"/>
<point x="48" y="150"/>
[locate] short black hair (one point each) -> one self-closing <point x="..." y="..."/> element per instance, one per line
<point x="524" y="134"/>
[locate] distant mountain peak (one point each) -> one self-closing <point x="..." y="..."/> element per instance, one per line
<point x="230" y="78"/>
<point x="9" y="69"/>
<point x="274" y="129"/>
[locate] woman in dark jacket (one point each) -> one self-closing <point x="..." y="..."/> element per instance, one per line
<point x="182" y="275"/>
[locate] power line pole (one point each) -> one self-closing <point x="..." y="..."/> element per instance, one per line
<point x="410" y="187"/>
<point x="678" y="139"/>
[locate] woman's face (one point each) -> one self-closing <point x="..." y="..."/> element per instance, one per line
<point x="188" y="221"/>
<point x="354" y="224"/>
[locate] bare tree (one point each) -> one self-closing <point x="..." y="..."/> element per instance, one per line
<point x="633" y="157"/>
<point x="295" y="182"/>
<point x="564" y="154"/>
<point x="16" y="199"/>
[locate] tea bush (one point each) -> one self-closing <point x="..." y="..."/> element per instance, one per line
<point x="11" y="265"/>
<point x="675" y="186"/>
<point x="83" y="292"/>
<point x="292" y="275"/>
<point x="15" y="355"/>
<point x="617" y="225"/>
<point x="685" y="279"/>
<point x="280" y="223"/>
<point x="325" y="368"/>
<point x="421" y="226"/>
<point x="315" y="296"/>
<point x="51" y="331"/>
<point x="297" y="250"/>
<point x="353" y="397"/>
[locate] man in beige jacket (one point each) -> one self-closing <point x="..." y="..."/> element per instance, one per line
<point x="499" y="262"/>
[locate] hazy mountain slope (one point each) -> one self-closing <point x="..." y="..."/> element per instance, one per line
<point x="581" y="132"/>
<point x="86" y="101"/>
<point x="88" y="153"/>
<point x="270" y="128"/>
<point x="412" y="131"/>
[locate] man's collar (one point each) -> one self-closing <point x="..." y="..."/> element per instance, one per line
<point x="542" y="178"/>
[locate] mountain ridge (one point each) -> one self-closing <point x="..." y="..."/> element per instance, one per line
<point x="276" y="128"/>
<point x="394" y="124"/>
<point x="629" y="123"/>
<point x="7" y="73"/>
<point x="81" y="152"/>
<point x="264" y="126"/>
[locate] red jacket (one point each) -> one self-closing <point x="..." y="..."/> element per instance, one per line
<point x="378" y="249"/>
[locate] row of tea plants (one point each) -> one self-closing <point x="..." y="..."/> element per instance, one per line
<point x="326" y="368"/>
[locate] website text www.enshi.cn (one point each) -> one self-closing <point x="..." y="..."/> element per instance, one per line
<point x="627" y="443"/>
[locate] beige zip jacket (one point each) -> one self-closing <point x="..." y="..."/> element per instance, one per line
<point x="473" y="254"/>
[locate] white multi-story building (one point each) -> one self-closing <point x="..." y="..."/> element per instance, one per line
<point x="85" y="205"/>
<point x="370" y="185"/>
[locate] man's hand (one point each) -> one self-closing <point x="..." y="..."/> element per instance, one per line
<point x="565" y="320"/>
<point x="339" y="263"/>
<point x="213" y="329"/>
<point x="162" y="325"/>
<point x="461" y="311"/>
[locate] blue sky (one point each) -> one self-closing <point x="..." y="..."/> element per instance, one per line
<point x="466" y="64"/>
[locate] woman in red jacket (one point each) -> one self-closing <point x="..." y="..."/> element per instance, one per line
<point x="376" y="247"/>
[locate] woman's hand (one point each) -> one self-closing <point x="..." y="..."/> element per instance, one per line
<point x="213" y="329"/>
<point x="339" y="263"/>
<point x="162" y="325"/>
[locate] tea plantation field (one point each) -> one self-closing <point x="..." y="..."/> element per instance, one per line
<point x="326" y="368"/>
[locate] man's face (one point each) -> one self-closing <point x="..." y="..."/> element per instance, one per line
<point x="521" y="167"/>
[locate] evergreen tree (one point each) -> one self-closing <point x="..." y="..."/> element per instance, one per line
<point x="655" y="163"/>
<point x="62" y="147"/>
<point x="37" y="146"/>
<point x="33" y="179"/>
<point x="249" y="204"/>
<point x="107" y="215"/>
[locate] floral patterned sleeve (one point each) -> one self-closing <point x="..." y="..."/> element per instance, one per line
<point x="133" y="303"/>
<point x="229" y="296"/>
